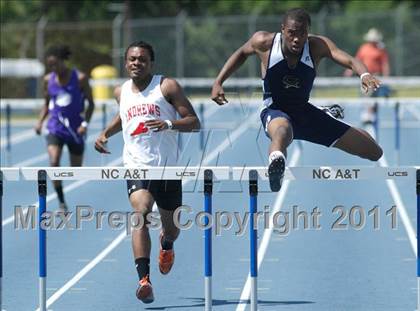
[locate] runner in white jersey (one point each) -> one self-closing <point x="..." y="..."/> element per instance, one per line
<point x="149" y="105"/>
<point x="145" y="147"/>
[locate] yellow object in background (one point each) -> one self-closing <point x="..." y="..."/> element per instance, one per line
<point x="103" y="91"/>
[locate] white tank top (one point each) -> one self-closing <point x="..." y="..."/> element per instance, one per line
<point x="143" y="147"/>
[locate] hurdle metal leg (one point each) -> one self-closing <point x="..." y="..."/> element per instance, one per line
<point x="376" y="121"/>
<point x="397" y="133"/>
<point x="208" y="190"/>
<point x="42" y="191"/>
<point x="418" y="239"/>
<point x="253" y="192"/>
<point x="8" y="135"/>
<point x="201" y="114"/>
<point x="1" y="238"/>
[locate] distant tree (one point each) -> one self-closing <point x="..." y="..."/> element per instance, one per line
<point x="83" y="10"/>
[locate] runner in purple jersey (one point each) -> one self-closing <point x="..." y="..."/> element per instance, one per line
<point x="65" y="92"/>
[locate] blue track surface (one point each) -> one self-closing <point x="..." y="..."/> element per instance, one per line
<point x="309" y="269"/>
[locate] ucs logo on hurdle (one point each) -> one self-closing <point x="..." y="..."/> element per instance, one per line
<point x="139" y="174"/>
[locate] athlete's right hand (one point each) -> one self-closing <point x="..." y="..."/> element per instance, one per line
<point x="38" y="128"/>
<point x="217" y="94"/>
<point x="100" y="144"/>
<point x="369" y="83"/>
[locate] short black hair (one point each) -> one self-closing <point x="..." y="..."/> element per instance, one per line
<point x="298" y="15"/>
<point x="144" y="45"/>
<point x="60" y="51"/>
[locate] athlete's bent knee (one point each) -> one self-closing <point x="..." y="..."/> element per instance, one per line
<point x="141" y="209"/>
<point x="375" y="154"/>
<point x="283" y="132"/>
<point x="378" y="154"/>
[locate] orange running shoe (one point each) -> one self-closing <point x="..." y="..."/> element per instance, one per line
<point x="145" y="290"/>
<point x="166" y="258"/>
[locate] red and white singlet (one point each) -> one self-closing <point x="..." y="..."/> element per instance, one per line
<point x="142" y="146"/>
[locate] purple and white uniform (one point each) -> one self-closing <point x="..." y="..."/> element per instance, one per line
<point x="65" y="106"/>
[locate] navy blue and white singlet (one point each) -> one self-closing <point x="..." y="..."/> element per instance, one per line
<point x="286" y="94"/>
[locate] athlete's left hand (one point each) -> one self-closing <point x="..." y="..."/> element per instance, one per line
<point x="156" y="125"/>
<point x="369" y="82"/>
<point x="82" y="130"/>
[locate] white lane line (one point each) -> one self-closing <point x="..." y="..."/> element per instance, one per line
<point x="18" y="137"/>
<point x="413" y="111"/>
<point x="229" y="140"/>
<point x="86" y="269"/>
<point x="226" y="143"/>
<point x="211" y="111"/>
<point x="402" y="211"/>
<point x="29" y="134"/>
<point x="52" y="196"/>
<point x="44" y="156"/>
<point x="262" y="249"/>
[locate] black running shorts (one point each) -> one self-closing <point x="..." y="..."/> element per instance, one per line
<point x="166" y="193"/>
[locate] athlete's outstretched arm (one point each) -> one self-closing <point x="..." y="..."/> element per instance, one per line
<point x="256" y="43"/>
<point x="113" y="127"/>
<point x="174" y="94"/>
<point x="87" y="91"/>
<point x="328" y="49"/>
<point x="44" y="110"/>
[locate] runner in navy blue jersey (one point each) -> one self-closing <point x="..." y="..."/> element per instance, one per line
<point x="289" y="60"/>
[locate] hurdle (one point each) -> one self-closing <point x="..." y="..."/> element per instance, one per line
<point x="208" y="175"/>
<point x="40" y="174"/>
<point x="418" y="239"/>
<point x="42" y="194"/>
<point x="1" y="236"/>
<point x="8" y="134"/>
<point x="208" y="191"/>
<point x="11" y="174"/>
<point x="397" y="132"/>
<point x="253" y="238"/>
<point x="328" y="173"/>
